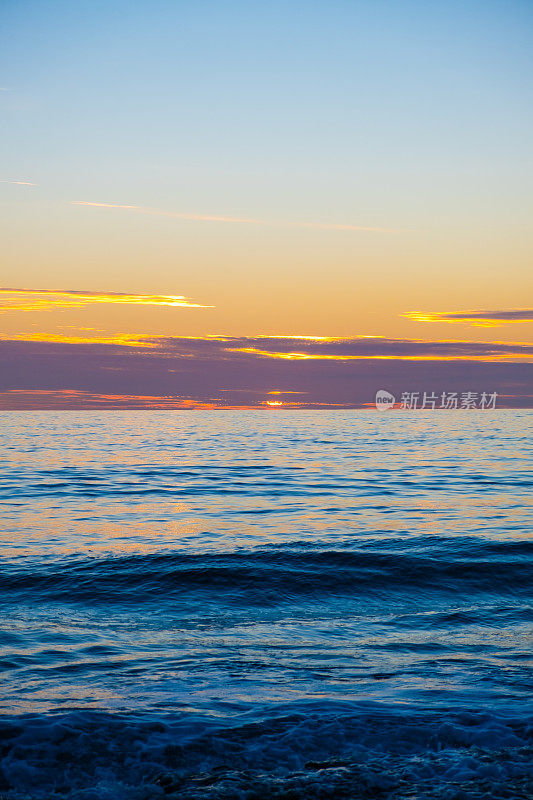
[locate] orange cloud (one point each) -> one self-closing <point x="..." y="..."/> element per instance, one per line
<point x="481" y="319"/>
<point x="72" y="399"/>
<point x="124" y="340"/>
<point x="453" y="356"/>
<point x="44" y="299"/>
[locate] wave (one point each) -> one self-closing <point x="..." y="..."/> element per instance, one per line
<point x="276" y="575"/>
<point x="298" y="751"/>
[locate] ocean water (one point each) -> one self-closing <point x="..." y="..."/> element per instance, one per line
<point x="265" y="605"/>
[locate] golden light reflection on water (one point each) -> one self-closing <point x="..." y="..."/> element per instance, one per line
<point x="135" y="483"/>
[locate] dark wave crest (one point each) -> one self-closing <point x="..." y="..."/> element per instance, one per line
<point x="279" y="574"/>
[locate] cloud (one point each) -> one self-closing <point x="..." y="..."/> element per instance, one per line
<point x="19" y="183"/>
<point x="298" y="348"/>
<point x="482" y="319"/>
<point x="376" y="348"/>
<point x="44" y="299"/>
<point x="235" y="220"/>
<point x="228" y="372"/>
<point x="172" y="214"/>
<point x="70" y="399"/>
<point x="118" y="339"/>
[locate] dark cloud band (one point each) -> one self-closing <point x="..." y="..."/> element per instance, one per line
<point x="229" y="372"/>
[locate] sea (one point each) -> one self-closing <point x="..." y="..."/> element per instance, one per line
<point x="265" y="604"/>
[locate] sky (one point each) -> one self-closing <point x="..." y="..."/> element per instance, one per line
<point x="177" y="176"/>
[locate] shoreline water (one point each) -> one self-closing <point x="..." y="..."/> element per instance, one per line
<point x="337" y="608"/>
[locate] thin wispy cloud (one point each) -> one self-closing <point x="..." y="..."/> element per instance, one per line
<point x="172" y="214"/>
<point x="44" y="299"/>
<point x="234" y="220"/>
<point x="481" y="319"/>
<point x="19" y="183"/>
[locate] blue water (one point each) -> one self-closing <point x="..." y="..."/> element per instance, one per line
<point x="265" y="605"/>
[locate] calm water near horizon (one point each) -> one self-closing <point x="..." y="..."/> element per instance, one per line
<point x="265" y="604"/>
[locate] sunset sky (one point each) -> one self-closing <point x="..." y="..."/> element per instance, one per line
<point x="186" y="186"/>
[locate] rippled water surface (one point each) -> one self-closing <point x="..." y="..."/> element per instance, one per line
<point x="254" y="604"/>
